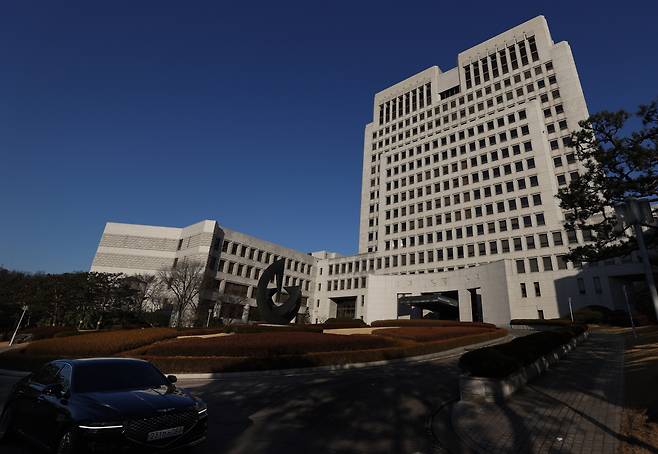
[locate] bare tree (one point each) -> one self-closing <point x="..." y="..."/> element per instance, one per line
<point x="148" y="290"/>
<point x="186" y="280"/>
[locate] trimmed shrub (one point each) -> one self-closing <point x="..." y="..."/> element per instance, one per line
<point x="200" y="331"/>
<point x="427" y="323"/>
<point x="266" y="345"/>
<point x="246" y="328"/>
<point x="67" y="333"/>
<point x="501" y="360"/>
<point x="594" y="314"/>
<point x="97" y="344"/>
<point x="48" y="332"/>
<point x="338" y="323"/>
<point x="427" y="334"/>
<point x="544" y="322"/>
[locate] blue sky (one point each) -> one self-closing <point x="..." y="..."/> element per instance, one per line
<point x="167" y="113"/>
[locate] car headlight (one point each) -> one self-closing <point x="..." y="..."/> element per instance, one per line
<point x="101" y="426"/>
<point x="201" y="408"/>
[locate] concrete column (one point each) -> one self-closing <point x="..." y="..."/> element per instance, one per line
<point x="465" y="313"/>
<point x="245" y="313"/>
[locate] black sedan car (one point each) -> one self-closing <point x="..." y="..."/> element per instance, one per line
<point x="103" y="405"/>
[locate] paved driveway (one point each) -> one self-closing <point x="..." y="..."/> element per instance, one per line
<point x="379" y="410"/>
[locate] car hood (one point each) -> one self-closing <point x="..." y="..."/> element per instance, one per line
<point x="130" y="404"/>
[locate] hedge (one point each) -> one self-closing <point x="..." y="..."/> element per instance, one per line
<point x="48" y="332"/>
<point x="427" y="334"/>
<point x="246" y="328"/>
<point x="265" y="345"/>
<point x="338" y="323"/>
<point x="196" y="364"/>
<point x="544" y="322"/>
<point x="97" y="344"/>
<point x="425" y="322"/>
<point x="501" y="360"/>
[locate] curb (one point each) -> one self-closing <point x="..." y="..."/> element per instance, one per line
<point x="341" y="367"/>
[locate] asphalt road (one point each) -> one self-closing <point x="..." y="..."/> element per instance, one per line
<point x="376" y="410"/>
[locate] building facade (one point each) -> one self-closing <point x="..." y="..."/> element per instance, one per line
<point x="233" y="259"/>
<point x="460" y="173"/>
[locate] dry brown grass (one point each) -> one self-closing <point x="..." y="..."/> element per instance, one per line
<point x="426" y="334"/>
<point x="266" y="345"/>
<point x="640" y="415"/>
<point x="102" y="343"/>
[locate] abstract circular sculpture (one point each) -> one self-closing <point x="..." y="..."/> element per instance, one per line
<point x="269" y="310"/>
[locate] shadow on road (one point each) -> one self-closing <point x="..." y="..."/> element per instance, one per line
<point x="383" y="409"/>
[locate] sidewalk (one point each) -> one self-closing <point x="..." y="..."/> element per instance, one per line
<point x="575" y="407"/>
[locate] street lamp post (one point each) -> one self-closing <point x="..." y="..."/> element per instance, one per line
<point x="11" y="342"/>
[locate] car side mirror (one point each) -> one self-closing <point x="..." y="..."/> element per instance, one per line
<point x="172" y="378"/>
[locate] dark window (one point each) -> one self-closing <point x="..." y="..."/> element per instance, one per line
<point x="47" y="375"/>
<point x="116" y="375"/>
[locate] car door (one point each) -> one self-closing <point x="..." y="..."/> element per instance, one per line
<point x="53" y="408"/>
<point x="30" y="409"/>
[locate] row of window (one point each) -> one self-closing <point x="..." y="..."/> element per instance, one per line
<point x="504" y="154"/>
<point x="252" y="272"/>
<point x="480" y="210"/>
<point x="508" y="187"/>
<point x="482" y="249"/>
<point x="488" y="67"/>
<point x="257" y="255"/>
<point x="482" y="128"/>
<point x="474" y="178"/>
<point x="473" y="96"/>
<point x="465" y="113"/>
<point x="503" y="225"/>
<point x="405" y="104"/>
<point x="345" y="284"/>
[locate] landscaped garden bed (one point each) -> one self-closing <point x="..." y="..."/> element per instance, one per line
<point x="428" y="334"/>
<point x="427" y="323"/>
<point x="265" y="345"/>
<point x="276" y="349"/>
<point x="494" y="373"/>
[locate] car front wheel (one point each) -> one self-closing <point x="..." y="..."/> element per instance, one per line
<point x="67" y="443"/>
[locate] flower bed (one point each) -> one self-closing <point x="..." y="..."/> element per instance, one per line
<point x="265" y="345"/>
<point x="238" y="352"/>
<point x="427" y="323"/>
<point x="426" y="334"/>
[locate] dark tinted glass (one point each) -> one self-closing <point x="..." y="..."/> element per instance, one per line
<point x="47" y="375"/>
<point x="114" y="376"/>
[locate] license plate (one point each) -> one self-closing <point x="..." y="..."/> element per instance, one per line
<point x="166" y="433"/>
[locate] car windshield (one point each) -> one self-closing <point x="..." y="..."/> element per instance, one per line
<point x="116" y="375"/>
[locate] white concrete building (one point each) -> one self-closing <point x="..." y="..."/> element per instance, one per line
<point x="234" y="259"/>
<point x="460" y="173"/>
